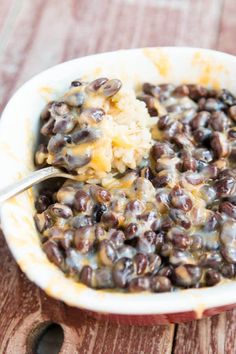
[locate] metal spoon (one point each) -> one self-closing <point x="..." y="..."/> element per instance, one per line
<point x="34" y="178"/>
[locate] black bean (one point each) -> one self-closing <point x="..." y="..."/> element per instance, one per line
<point x="56" y="143"/>
<point x="75" y="99"/>
<point x="178" y="257"/>
<point x="111" y="87"/>
<point x="174" y="129"/>
<point x="203" y="155"/>
<point x="212" y="277"/>
<point x="166" y="271"/>
<point x="80" y="221"/>
<point x="109" y="219"/>
<point x="174" y="108"/>
<point x="213" y="104"/>
<point x="117" y="238"/>
<point x="53" y="253"/>
<point x="123" y="270"/>
<point x="211" y="260"/>
<point x="228" y="208"/>
<point x="43" y="221"/>
<point x="95" y="85"/>
<point x="181" y="91"/>
<point x="186" y="275"/>
<point x="66" y="195"/>
<point x="84" y="239"/>
<point x="196" y="242"/>
<point x="86" y="275"/>
<point x="140" y="263"/>
<point x="148" y="88"/>
<point x="45" y="114"/>
<point x="76" y="83"/>
<point x="226" y="97"/>
<point x="166" y="223"/>
<point x="200" y="120"/>
<point x="126" y="251"/>
<point x="228" y="270"/>
<point x="163" y="197"/>
<point x="154" y="263"/>
<point x="160" y="284"/>
<point x="197" y="91"/>
<point x="227" y="173"/>
<point x="232" y="112"/>
<point x="91" y="116"/>
<point x="64" y="124"/>
<point x="107" y="253"/>
<point x="47" y="128"/>
<point x="150" y="104"/>
<point x="179" y="200"/>
<point x="59" y="109"/>
<point x="164" y="122"/>
<point x="41" y="155"/>
<point x="180" y="218"/>
<point x="189" y="163"/>
<point x="146" y="172"/>
<point x="232" y="134"/>
<point x="148" y="216"/>
<point x="86" y="135"/>
<point x="67" y="240"/>
<point x="202" y="135"/>
<point x="220" y="145"/>
<point x="71" y="162"/>
<point x="228" y="233"/>
<point x="134" y="206"/>
<point x="98" y="211"/>
<point x="159" y="241"/>
<point x="201" y="104"/>
<point x="179" y="238"/>
<point x="219" y="121"/>
<point x="210" y="171"/>
<point x="166" y="249"/>
<point x="194" y="178"/>
<point x="160" y="149"/>
<point x="139" y="284"/>
<point x="229" y="253"/>
<point x="162" y="179"/>
<point x="182" y="140"/>
<point x="61" y="211"/>
<point x="103" y="278"/>
<point x="100" y="195"/>
<point x="212" y="223"/>
<point x="81" y="200"/>
<point x="225" y="187"/>
<point x="131" y="230"/>
<point x="42" y="203"/>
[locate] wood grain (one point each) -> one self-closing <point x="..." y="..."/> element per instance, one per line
<point x="35" y="35"/>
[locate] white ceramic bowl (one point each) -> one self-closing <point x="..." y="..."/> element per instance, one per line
<point x="18" y="131"/>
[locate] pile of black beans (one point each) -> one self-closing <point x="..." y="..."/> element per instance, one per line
<point x="71" y="122"/>
<point x="168" y="225"/>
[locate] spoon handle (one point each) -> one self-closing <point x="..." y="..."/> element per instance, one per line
<point x="29" y="181"/>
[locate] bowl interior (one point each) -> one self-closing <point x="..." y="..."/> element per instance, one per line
<point x="18" y="133"/>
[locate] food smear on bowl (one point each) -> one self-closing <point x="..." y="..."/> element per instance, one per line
<point x="154" y="207"/>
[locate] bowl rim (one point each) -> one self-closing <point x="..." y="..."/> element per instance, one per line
<point x="197" y="300"/>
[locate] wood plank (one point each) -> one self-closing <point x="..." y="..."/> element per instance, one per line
<point x="57" y="31"/>
<point x="215" y="335"/>
<point x="226" y="39"/>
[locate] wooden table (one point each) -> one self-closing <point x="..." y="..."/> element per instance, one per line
<point x="36" y="34"/>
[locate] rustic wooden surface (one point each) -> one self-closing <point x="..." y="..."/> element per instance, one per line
<point x="36" y="34"/>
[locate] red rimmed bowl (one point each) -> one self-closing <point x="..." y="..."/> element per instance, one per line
<point x="18" y="132"/>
